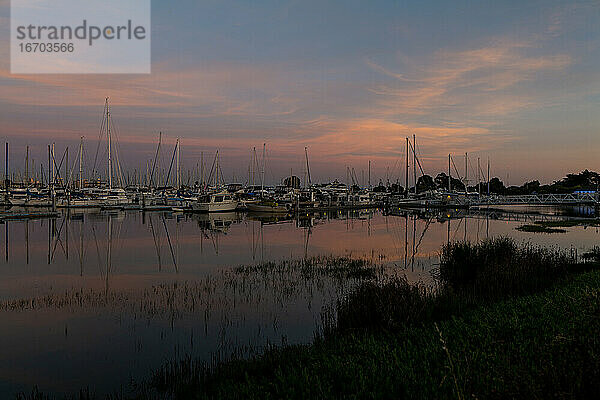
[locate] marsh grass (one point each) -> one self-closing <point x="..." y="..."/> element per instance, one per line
<point x="470" y="274"/>
<point x="389" y="304"/>
<point x="334" y="267"/>
<point x="278" y="282"/>
<point x="500" y="267"/>
<point x="539" y="229"/>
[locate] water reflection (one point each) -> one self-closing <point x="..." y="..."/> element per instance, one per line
<point x="102" y="297"/>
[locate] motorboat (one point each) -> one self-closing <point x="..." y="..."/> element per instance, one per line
<point x="215" y="202"/>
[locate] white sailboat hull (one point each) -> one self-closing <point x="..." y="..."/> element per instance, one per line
<point x="215" y="207"/>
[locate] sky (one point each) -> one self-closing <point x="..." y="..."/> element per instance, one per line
<point x="517" y="82"/>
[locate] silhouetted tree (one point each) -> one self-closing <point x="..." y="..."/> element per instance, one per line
<point x="396" y="188"/>
<point x="425" y="183"/>
<point x="496" y="186"/>
<point x="380" y="188"/>
<point x="441" y="182"/>
<point x="531" y="187"/>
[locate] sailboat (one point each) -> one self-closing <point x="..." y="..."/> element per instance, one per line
<point x="219" y="201"/>
<point x="265" y="204"/>
<point x="112" y="197"/>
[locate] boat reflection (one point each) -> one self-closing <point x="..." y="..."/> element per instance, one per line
<point x="217" y="222"/>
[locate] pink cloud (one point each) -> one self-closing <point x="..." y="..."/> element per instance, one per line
<point x="485" y="71"/>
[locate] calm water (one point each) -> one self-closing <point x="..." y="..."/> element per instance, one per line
<point x="100" y="299"/>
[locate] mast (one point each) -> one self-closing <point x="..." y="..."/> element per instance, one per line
<point x="109" y="145"/>
<point x="53" y="164"/>
<point x="406" y="181"/>
<point x="307" y="165"/>
<point x="155" y="160"/>
<point x="304" y="176"/>
<point x="217" y="170"/>
<point x="250" y="170"/>
<point x="348" y="177"/>
<point x="67" y="178"/>
<point x="369" y="178"/>
<point x="81" y="164"/>
<point x="415" y="161"/>
<point x="488" y="177"/>
<point x="466" y="174"/>
<point x="50" y="183"/>
<point x="178" y="166"/>
<point x="254" y="166"/>
<point x="262" y="178"/>
<point x="449" y="176"/>
<point x="202" y="170"/>
<point x="478" y="176"/>
<point x="27" y="165"/>
<point x="6" y="168"/>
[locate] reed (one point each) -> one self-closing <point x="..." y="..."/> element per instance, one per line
<point x="391" y="304"/>
<point x="500" y="267"/>
<point x="469" y="274"/>
<point x="330" y="266"/>
<point x="278" y="281"/>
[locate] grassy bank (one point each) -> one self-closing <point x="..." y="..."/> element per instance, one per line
<point x="537" y="346"/>
<point x="506" y="320"/>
